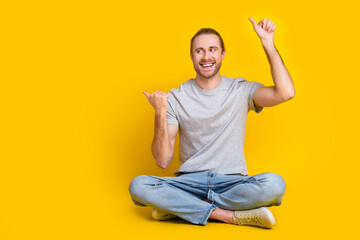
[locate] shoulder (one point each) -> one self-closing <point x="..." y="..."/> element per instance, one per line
<point x="242" y="86"/>
<point x="247" y="84"/>
<point x="235" y="83"/>
<point x="243" y="81"/>
<point x="184" y="87"/>
<point x="229" y="80"/>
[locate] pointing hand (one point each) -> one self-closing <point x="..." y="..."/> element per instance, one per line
<point x="158" y="100"/>
<point x="265" y="29"/>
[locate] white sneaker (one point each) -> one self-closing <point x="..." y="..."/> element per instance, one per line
<point x="160" y="215"/>
<point x="260" y="217"/>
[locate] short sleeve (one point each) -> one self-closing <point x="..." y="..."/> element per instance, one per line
<point x="251" y="88"/>
<point x="171" y="110"/>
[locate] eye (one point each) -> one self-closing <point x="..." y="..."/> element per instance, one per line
<point x="212" y="49"/>
<point x="199" y="51"/>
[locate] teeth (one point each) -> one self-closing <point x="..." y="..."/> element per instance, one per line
<point x="207" y="65"/>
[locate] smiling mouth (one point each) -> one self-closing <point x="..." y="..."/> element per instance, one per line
<point x="208" y="65"/>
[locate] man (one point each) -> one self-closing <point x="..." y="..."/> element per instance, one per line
<point x="210" y="111"/>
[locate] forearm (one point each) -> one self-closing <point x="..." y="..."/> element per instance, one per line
<point x="284" y="86"/>
<point x="161" y="147"/>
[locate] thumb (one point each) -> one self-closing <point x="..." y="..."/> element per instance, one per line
<point x="146" y="94"/>
<point x="253" y="22"/>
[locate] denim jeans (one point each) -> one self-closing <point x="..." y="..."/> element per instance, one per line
<point x="184" y="195"/>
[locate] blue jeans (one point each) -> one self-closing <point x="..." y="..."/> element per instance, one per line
<point x="183" y="195"/>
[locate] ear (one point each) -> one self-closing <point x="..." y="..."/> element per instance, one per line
<point x="223" y="55"/>
<point x="191" y="57"/>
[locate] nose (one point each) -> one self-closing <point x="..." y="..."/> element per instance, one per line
<point x="206" y="54"/>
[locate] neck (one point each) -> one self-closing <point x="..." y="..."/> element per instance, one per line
<point x="208" y="83"/>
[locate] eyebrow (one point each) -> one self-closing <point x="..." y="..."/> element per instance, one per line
<point x="209" y="47"/>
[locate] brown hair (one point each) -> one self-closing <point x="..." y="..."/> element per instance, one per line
<point x="207" y="31"/>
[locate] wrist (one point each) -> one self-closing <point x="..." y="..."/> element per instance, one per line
<point x="268" y="43"/>
<point x="160" y="112"/>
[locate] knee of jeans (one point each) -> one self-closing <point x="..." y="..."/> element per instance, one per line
<point x="137" y="185"/>
<point x="277" y="184"/>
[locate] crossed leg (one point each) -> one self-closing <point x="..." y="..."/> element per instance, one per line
<point x="182" y="196"/>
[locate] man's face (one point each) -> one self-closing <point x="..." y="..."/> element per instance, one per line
<point x="206" y="55"/>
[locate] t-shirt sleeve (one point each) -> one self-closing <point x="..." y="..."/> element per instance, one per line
<point x="171" y="115"/>
<point x="251" y="88"/>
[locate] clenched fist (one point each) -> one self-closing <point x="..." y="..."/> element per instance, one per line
<point x="158" y="100"/>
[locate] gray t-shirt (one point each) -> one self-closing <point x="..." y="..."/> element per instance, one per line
<point x="212" y="124"/>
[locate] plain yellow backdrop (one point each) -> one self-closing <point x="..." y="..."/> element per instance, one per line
<point x="75" y="127"/>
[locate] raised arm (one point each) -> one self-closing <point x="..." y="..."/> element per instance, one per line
<point x="283" y="89"/>
<point x="163" y="143"/>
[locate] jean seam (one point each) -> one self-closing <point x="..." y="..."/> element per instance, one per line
<point x="191" y="185"/>
<point x="207" y="215"/>
<point x="220" y="185"/>
<point x="186" y="193"/>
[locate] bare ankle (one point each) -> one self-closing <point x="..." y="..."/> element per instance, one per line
<point x="223" y="215"/>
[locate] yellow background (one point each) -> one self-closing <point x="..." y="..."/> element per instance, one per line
<point x="75" y="127"/>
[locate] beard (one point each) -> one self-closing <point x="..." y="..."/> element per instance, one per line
<point x="207" y="75"/>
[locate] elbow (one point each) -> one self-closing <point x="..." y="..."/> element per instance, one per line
<point x="289" y="95"/>
<point x="162" y="165"/>
<point x="162" y="158"/>
<point x="163" y="162"/>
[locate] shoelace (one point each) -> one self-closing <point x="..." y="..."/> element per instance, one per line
<point x="247" y="219"/>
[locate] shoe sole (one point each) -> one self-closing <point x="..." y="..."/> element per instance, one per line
<point x="269" y="215"/>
